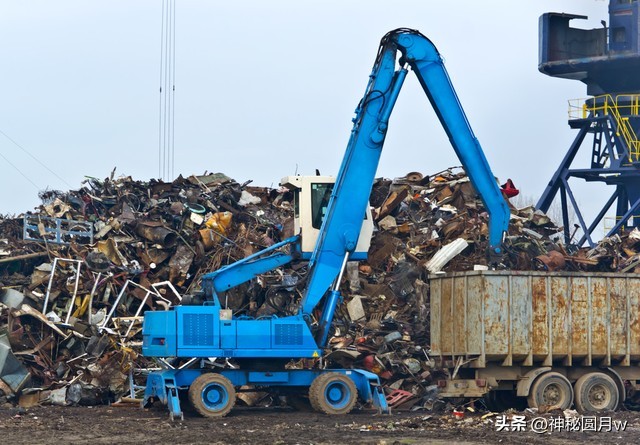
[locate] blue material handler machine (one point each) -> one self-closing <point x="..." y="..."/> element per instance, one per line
<point x="333" y="226"/>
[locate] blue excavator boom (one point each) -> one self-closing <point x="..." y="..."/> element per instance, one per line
<point x="209" y="330"/>
<point x="340" y="229"/>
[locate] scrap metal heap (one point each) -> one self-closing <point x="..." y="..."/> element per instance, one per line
<point x="78" y="273"/>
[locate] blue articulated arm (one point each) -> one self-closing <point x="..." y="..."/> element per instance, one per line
<point x="341" y="225"/>
<point x="241" y="271"/>
<point x="425" y="61"/>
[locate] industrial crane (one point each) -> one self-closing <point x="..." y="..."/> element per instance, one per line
<point x="333" y="226"/>
<point x="607" y="60"/>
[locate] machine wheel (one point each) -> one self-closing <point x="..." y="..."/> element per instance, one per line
<point x="551" y="389"/>
<point x="596" y="392"/>
<point x="212" y="395"/>
<point x="333" y="393"/>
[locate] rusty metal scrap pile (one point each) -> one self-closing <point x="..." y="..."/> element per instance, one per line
<point x="79" y="272"/>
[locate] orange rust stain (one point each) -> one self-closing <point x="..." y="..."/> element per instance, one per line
<point x="579" y="318"/>
<point x="540" y="333"/>
<point x="599" y="320"/>
<point x="446" y="336"/>
<point x="459" y="316"/>
<point x="559" y="316"/>
<point x="618" y="317"/>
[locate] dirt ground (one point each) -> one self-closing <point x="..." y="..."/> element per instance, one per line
<point x="131" y="424"/>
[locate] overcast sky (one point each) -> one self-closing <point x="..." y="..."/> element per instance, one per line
<point x="265" y="89"/>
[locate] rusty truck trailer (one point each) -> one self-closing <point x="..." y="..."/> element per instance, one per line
<point x="556" y="339"/>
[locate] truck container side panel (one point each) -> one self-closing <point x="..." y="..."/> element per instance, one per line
<point x="475" y="321"/>
<point x="496" y="311"/>
<point x="520" y="317"/>
<point x="618" y="314"/>
<point x="560" y="313"/>
<point x="599" y="318"/>
<point x="459" y="316"/>
<point x="569" y="319"/>
<point x="540" y="320"/>
<point x="579" y="317"/>
<point x="435" y="306"/>
<point x="446" y="320"/>
<point x="634" y="318"/>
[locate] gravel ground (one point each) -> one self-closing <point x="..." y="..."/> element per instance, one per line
<point x="130" y="424"/>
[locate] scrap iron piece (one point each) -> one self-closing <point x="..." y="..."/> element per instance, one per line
<point x="56" y="230"/>
<point x="75" y="287"/>
<point x="149" y="293"/>
<point x="157" y="234"/>
<point x="12" y="371"/>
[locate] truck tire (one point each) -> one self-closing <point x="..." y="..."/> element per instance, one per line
<point x="551" y="389"/>
<point x="212" y="395"/>
<point x="596" y="392"/>
<point x="333" y="393"/>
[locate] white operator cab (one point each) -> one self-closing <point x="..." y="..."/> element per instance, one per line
<point x="310" y="202"/>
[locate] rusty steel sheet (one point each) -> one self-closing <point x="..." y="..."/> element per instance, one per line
<point x="522" y="318"/>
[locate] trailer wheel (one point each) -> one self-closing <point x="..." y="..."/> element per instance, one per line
<point x="551" y="389"/>
<point x="333" y="393"/>
<point x="596" y="392"/>
<point x="212" y="395"/>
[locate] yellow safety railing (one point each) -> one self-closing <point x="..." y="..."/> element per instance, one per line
<point x="604" y="105"/>
<point x="609" y="222"/>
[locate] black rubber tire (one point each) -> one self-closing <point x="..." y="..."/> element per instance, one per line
<point x="221" y="387"/>
<point x="551" y="389"/>
<point x="328" y="383"/>
<point x="596" y="392"/>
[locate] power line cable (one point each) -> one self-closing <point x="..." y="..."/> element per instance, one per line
<point x="166" y="89"/>
<point x="34" y="158"/>
<point x="20" y="171"/>
<point x="160" y="132"/>
<point x="170" y="91"/>
<point x="166" y="117"/>
<point x="173" y="94"/>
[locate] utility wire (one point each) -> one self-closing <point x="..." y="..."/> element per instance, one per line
<point x="20" y="171"/>
<point x="160" y="132"/>
<point x="173" y="93"/>
<point x="167" y="94"/>
<point x="34" y="158"/>
<point x="166" y="118"/>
